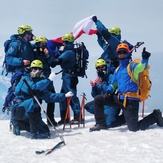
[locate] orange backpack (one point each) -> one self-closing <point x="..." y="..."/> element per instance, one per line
<point x="144" y="83"/>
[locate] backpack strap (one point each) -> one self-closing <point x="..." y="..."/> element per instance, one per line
<point x="129" y="94"/>
<point x="130" y="70"/>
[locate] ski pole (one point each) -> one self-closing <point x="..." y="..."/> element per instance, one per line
<point x="36" y="99"/>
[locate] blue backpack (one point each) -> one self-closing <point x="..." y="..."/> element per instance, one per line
<point x="6" y="67"/>
<point x="9" y="99"/>
<point x="82" y="56"/>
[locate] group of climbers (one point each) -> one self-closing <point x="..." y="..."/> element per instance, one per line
<point x="35" y="62"/>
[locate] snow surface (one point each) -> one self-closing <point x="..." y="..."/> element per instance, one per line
<point x="117" y="145"/>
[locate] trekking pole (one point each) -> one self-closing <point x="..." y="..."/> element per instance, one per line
<point x="67" y="116"/>
<point x="36" y="99"/>
<point x="82" y="110"/>
<point x="138" y="44"/>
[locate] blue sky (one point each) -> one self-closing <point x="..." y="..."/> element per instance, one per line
<point x="139" y="21"/>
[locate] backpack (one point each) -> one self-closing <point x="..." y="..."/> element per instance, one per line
<point x="9" y="99"/>
<point x="6" y="67"/>
<point x="82" y="56"/>
<point x="144" y="83"/>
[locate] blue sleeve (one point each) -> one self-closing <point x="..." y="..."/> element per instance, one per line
<point x="22" y="88"/>
<point x="101" y="27"/>
<point x="105" y="84"/>
<point x="12" y="57"/>
<point x="96" y="90"/>
<point x="113" y="85"/>
<point x="66" y="55"/>
<point x="102" y="42"/>
<point x="52" y="97"/>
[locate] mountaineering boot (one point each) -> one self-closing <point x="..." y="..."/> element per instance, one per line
<point x="147" y="121"/>
<point x="43" y="135"/>
<point x="158" y="116"/>
<point x="98" y="127"/>
<point x="34" y="123"/>
<point x="34" y="136"/>
<point x="40" y="135"/>
<point x="16" y="130"/>
<point x="75" y="120"/>
<point x="154" y="117"/>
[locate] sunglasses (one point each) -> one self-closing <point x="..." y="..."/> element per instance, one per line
<point x="122" y="52"/>
<point x="36" y="68"/>
<point x="101" y="68"/>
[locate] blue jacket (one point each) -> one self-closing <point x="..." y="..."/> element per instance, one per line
<point x="68" y="58"/>
<point x="15" y="58"/>
<point x="101" y="89"/>
<point x="107" y="41"/>
<point x="121" y="79"/>
<point x="39" y="88"/>
<point x="47" y="60"/>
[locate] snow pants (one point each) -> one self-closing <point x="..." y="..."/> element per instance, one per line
<point x="130" y="113"/>
<point x="51" y="105"/>
<point x="28" y="120"/>
<point x="69" y="84"/>
<point x="110" y="113"/>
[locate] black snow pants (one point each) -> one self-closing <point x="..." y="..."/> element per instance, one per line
<point x="129" y="113"/>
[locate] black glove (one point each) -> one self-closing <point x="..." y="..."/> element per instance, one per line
<point x="94" y="18"/>
<point x="107" y="95"/>
<point x="35" y="92"/>
<point x="3" y="109"/>
<point x="145" y="54"/>
<point x="56" y="62"/>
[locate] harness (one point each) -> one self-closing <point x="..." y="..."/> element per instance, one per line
<point x="126" y="95"/>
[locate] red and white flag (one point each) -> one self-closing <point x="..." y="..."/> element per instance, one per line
<point x="82" y="27"/>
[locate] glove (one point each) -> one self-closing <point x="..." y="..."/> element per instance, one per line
<point x="69" y="94"/>
<point x="35" y="92"/>
<point x="52" y="76"/>
<point x="106" y="95"/>
<point x="145" y="54"/>
<point x="3" y="109"/>
<point x="94" y="18"/>
<point x="56" y="62"/>
<point x="61" y="48"/>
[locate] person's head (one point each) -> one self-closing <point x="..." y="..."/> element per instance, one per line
<point x="116" y="31"/>
<point x="101" y="67"/>
<point x="26" y="32"/>
<point x="36" y="69"/>
<point x="41" y="42"/>
<point x="68" y="39"/>
<point x="123" y="51"/>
